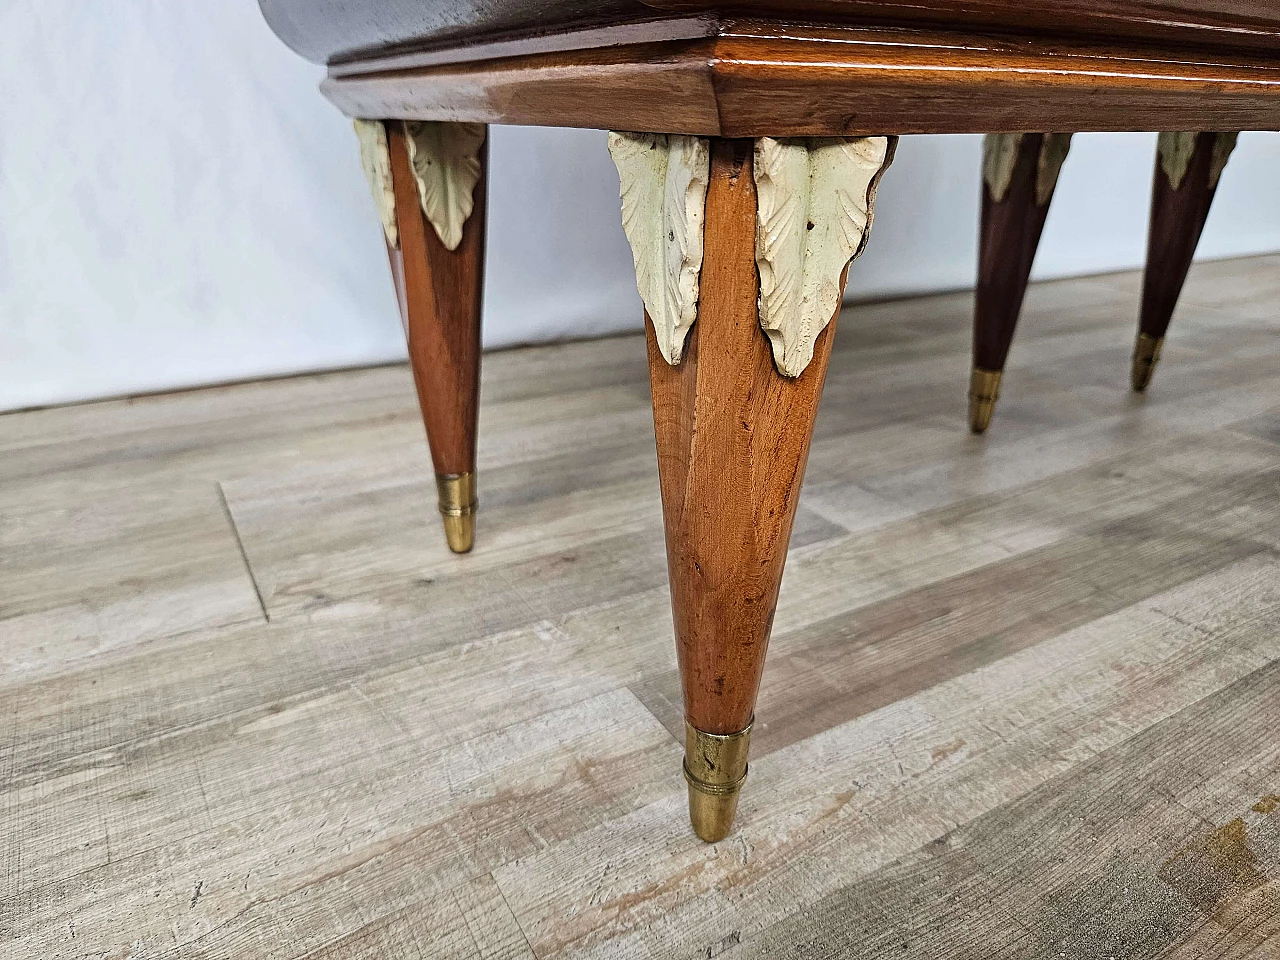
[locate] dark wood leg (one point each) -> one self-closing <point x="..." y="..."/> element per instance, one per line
<point x="1186" y="178"/>
<point x="733" y="439"/>
<point x="1020" y="175"/>
<point x="440" y="291"/>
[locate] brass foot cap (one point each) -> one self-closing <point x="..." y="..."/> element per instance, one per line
<point x="715" y="767"/>
<point x="984" y="391"/>
<point x="458" y="509"/>
<point x="1146" y="354"/>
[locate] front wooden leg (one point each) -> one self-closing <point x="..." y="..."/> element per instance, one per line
<point x="733" y="426"/>
<point x="429" y="179"/>
<point x="1188" y="167"/>
<point x="1020" y="173"/>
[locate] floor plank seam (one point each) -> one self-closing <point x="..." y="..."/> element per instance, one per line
<point x="248" y="567"/>
<point x="1048" y="787"/>
<point x="1008" y="676"/>
<point x="524" y="934"/>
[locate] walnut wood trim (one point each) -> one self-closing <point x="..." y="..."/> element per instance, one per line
<point x="835" y="82"/>
<point x="1225" y="24"/>
<point x="526" y="43"/>
<point x="395" y="34"/>
<point x="658" y="88"/>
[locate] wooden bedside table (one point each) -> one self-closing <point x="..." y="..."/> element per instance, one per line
<point x="749" y="150"/>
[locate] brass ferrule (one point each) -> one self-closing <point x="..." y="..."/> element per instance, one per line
<point x="715" y="766"/>
<point x="457" y="492"/>
<point x="1146" y="354"/>
<point x="984" y="391"/>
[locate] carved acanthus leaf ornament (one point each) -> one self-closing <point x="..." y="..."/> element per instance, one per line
<point x="663" y="184"/>
<point x="814" y="208"/>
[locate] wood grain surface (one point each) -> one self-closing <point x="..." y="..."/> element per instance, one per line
<point x="442" y="292"/>
<point x="1009" y="237"/>
<point x="733" y="440"/>
<point x="330" y="31"/>
<point x="761" y="78"/>
<point x="389" y="30"/>
<point x="1222" y="23"/>
<point x="1020" y="698"/>
<point x="1178" y="216"/>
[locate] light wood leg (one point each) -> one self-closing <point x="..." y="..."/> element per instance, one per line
<point x="733" y="430"/>
<point x="1019" y="177"/>
<point x="440" y="289"/>
<point x="733" y="439"/>
<point x="1188" y="166"/>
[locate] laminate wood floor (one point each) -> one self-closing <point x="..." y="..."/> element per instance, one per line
<point x="1023" y="698"/>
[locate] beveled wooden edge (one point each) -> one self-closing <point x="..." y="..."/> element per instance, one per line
<point x="757" y="79"/>
<point x="395" y="34"/>
<point x="1193" y="23"/>
<point x="526" y="43"/>
<point x="659" y="88"/>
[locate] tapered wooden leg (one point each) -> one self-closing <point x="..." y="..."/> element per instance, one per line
<point x="1188" y="166"/>
<point x="1020" y="174"/>
<point x="440" y="287"/>
<point x="733" y="438"/>
<point x="396" y="262"/>
<point x="741" y="253"/>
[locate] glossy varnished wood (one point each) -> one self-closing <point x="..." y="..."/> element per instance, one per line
<point x="1177" y="219"/>
<point x="661" y="87"/>
<point x="758" y="78"/>
<point x="1010" y="234"/>
<point x="332" y="32"/>
<point x="395" y="259"/>
<point x="441" y="293"/>
<point x="733" y="440"/>
<point x="1225" y="23"/>
<point x="523" y="44"/>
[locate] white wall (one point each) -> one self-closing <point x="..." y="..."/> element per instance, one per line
<point x="179" y="206"/>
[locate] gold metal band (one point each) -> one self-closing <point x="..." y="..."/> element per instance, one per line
<point x="715" y="767"/>
<point x="713" y="789"/>
<point x="1146" y="354"/>
<point x="984" y="391"/>
<point x="458" y="502"/>
<point x="457" y="493"/>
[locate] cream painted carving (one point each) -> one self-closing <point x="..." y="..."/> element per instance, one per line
<point x="1054" y="148"/>
<point x="1176" y="149"/>
<point x="663" y="184"/>
<point x="1000" y="157"/>
<point x="375" y="158"/>
<point x="1223" y="145"/>
<point x="815" y="204"/>
<point x="446" y="165"/>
